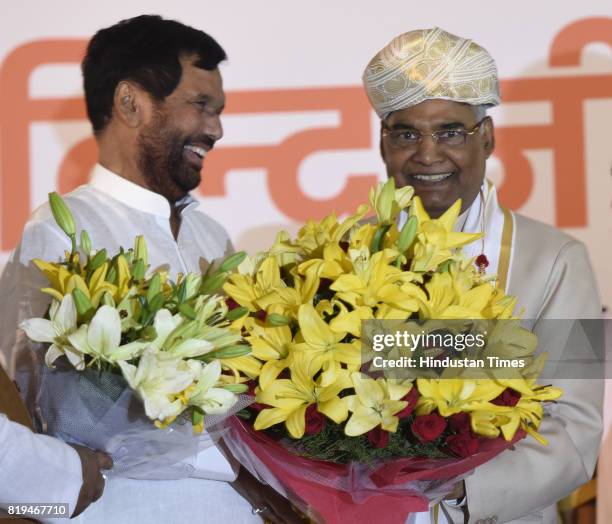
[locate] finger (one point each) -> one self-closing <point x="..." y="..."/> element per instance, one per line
<point x="99" y="489"/>
<point x="104" y="460"/>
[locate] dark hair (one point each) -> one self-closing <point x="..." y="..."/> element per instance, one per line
<point x="146" y="50"/>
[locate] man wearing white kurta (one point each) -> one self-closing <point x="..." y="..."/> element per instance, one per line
<point x="431" y="90"/>
<point x="154" y="96"/>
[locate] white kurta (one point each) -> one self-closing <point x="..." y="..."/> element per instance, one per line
<point x="114" y="211"/>
<point x="31" y="464"/>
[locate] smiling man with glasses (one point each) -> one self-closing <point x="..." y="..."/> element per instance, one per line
<point x="431" y="90"/>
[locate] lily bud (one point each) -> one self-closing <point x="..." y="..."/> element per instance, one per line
<point x="140" y="250"/>
<point x="83" y="306"/>
<point x="62" y="214"/>
<point x="407" y="234"/>
<point x="85" y="242"/>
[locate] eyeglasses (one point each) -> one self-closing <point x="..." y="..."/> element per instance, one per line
<point x="407" y="139"/>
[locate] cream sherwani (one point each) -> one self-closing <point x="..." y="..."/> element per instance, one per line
<point x="114" y="211"/>
<point x="551" y="275"/>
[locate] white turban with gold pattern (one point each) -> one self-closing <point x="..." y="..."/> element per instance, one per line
<point x="430" y="64"/>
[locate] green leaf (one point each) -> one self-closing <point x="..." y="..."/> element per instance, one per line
<point x="378" y="238"/>
<point x="239" y="350"/>
<point x="232" y="262"/>
<point x="187" y="311"/>
<point x="154" y="287"/>
<point x="213" y="284"/>
<point x="237" y="313"/>
<point x="275" y="319"/>
<point x="98" y="259"/>
<point x="236" y="388"/>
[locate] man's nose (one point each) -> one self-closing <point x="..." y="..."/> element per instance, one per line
<point x="427" y="151"/>
<point x="213" y="127"/>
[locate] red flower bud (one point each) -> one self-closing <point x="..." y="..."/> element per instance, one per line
<point x="459" y="422"/>
<point x="378" y="437"/>
<point x="463" y="444"/>
<point x="508" y="397"/>
<point x="315" y="421"/>
<point x="231" y="303"/>
<point x="411" y="397"/>
<point x="428" y="427"/>
<point x="482" y="261"/>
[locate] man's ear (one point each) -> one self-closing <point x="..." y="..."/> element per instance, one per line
<point x="128" y="104"/>
<point x="380" y="144"/>
<point x="488" y="136"/>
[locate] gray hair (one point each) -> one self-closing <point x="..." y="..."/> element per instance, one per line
<point x="480" y="111"/>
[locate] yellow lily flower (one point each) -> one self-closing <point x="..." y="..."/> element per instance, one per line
<point x="436" y="240"/>
<point x="247" y="288"/>
<point x="454" y="395"/>
<point x="271" y="345"/>
<point x="374" y="280"/>
<point x="324" y="346"/>
<point x="376" y="402"/>
<point x="388" y="201"/>
<point x="290" y="398"/>
<point x="334" y="263"/>
<point x="314" y="236"/>
<point x="446" y="301"/>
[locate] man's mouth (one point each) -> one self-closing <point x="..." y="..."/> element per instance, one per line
<point x="199" y="151"/>
<point x="431" y="178"/>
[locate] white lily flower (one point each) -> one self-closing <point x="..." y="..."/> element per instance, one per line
<point x="206" y="396"/>
<point x="101" y="338"/>
<point x="63" y="322"/>
<point x="157" y="380"/>
<point x="165" y="323"/>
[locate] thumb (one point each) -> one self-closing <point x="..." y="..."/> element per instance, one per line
<point x="104" y="460"/>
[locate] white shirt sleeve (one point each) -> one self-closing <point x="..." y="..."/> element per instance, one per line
<point x="36" y="468"/>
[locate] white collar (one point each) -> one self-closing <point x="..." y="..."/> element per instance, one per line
<point x="133" y="195"/>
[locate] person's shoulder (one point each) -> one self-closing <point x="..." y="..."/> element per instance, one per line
<point x="207" y="222"/>
<point x="548" y="238"/>
<point x="75" y="200"/>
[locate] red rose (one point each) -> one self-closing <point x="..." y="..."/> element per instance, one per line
<point x="378" y="437"/>
<point x="508" y="397"/>
<point x="459" y="422"/>
<point x="315" y="422"/>
<point x="411" y="397"/>
<point x="463" y="444"/>
<point x="428" y="427"/>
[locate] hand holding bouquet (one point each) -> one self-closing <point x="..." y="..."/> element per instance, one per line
<point x="170" y="343"/>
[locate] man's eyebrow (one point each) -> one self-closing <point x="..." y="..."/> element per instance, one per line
<point x="400" y="126"/>
<point x="446" y="125"/>
<point x="201" y="96"/>
<point x="451" y="125"/>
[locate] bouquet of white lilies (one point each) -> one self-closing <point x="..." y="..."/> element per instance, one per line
<point x="109" y="323"/>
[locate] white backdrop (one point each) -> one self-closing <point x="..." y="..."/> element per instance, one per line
<point x="298" y="126"/>
<point x="300" y="139"/>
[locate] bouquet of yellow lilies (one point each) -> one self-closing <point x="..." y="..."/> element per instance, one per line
<point x="128" y="332"/>
<point x="325" y="431"/>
